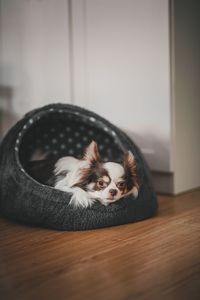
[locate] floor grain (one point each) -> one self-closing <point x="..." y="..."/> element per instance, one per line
<point x="154" y="259"/>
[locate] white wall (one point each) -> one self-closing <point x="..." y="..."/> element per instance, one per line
<point x="186" y="55"/>
<point x="122" y="69"/>
<point x="114" y="60"/>
<point x="35" y="65"/>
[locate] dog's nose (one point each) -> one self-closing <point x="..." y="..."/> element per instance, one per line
<point x="113" y="192"/>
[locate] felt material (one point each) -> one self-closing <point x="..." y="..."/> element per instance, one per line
<point x="62" y="129"/>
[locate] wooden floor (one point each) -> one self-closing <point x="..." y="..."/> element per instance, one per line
<point x="155" y="259"/>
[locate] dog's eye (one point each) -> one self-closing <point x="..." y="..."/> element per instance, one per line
<point x="101" y="183"/>
<point x="121" y="184"/>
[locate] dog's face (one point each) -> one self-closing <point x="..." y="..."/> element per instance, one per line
<point x="108" y="181"/>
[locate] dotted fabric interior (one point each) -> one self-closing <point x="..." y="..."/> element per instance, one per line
<point x="67" y="134"/>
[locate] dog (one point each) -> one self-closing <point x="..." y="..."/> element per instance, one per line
<point x="89" y="179"/>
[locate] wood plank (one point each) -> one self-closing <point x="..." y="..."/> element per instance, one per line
<point x="157" y="258"/>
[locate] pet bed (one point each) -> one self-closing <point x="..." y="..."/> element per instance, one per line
<point x="63" y="129"/>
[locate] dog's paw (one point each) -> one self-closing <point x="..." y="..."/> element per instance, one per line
<point x="80" y="198"/>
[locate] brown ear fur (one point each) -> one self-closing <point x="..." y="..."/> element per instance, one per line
<point x="92" y="153"/>
<point x="93" y="157"/>
<point x="130" y="168"/>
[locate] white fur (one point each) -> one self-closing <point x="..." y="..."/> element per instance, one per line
<point x="67" y="163"/>
<point x="81" y="198"/>
<point x="115" y="170"/>
<point x="73" y="166"/>
<point x="103" y="196"/>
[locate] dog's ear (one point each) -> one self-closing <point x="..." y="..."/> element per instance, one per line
<point x="130" y="168"/>
<point x="92" y="153"/>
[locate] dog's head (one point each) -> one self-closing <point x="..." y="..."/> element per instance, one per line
<point x="108" y="181"/>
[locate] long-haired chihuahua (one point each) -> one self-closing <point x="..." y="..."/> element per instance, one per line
<point x="89" y="179"/>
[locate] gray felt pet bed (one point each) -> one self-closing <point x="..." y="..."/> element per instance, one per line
<point x="62" y="130"/>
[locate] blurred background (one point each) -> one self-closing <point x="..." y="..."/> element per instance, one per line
<point x="135" y="62"/>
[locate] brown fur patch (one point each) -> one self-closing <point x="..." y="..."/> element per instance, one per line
<point x="131" y="172"/>
<point x="121" y="185"/>
<point x="92" y="174"/>
<point x="92" y="153"/>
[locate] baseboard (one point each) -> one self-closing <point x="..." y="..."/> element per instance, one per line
<point x="163" y="182"/>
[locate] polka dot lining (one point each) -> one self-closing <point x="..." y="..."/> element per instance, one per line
<point x="59" y="134"/>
